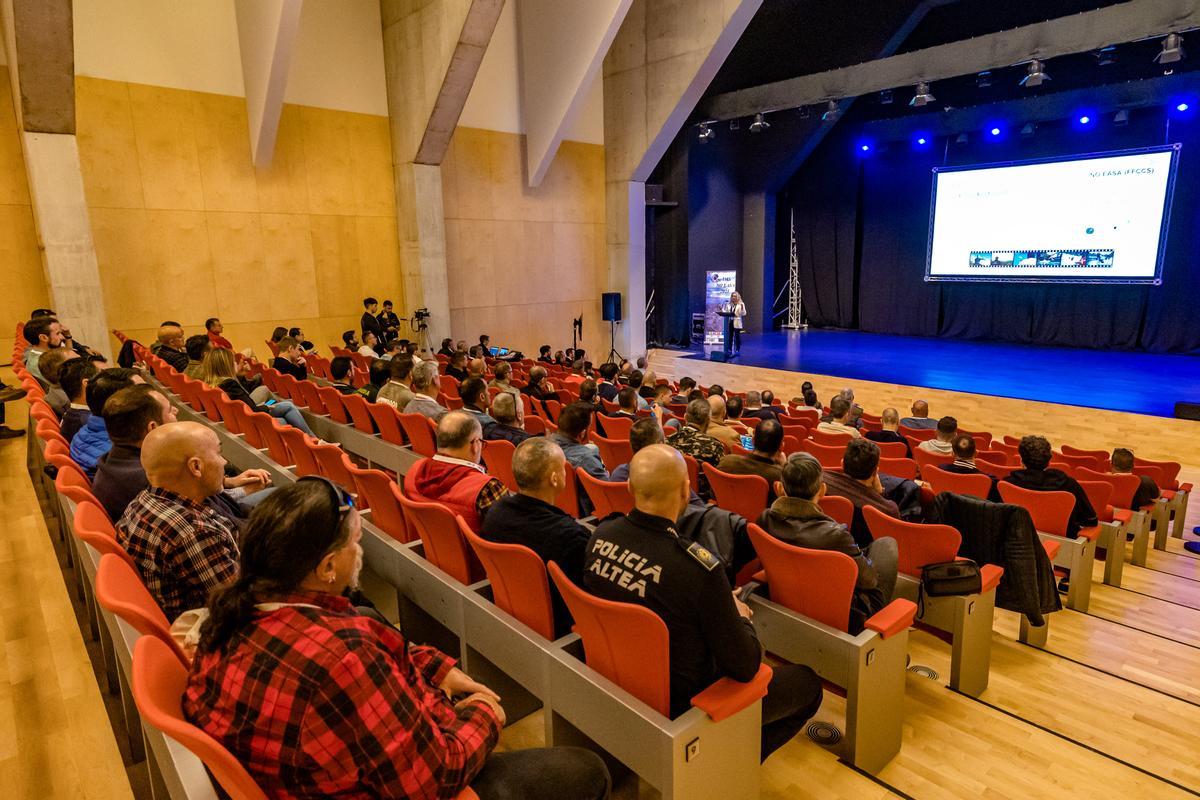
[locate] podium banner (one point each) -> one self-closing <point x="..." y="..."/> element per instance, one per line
<point x="718" y="285"/>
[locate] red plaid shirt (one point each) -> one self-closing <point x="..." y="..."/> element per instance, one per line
<point x="323" y="702"/>
<point x="182" y="549"/>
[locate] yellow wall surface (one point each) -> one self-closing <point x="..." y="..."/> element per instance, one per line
<point x="523" y="262"/>
<point x="185" y="227"/>
<point x="24" y="280"/>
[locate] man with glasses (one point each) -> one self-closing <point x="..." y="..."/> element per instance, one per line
<point x="454" y="477"/>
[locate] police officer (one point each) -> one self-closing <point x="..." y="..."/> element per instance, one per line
<point x="641" y="559"/>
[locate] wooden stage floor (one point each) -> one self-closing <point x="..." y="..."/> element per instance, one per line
<point x="1111" y="707"/>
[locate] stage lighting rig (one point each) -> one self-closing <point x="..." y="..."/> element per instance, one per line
<point x="759" y="125"/>
<point x="885" y="97"/>
<point x="922" y="96"/>
<point x="1106" y="56"/>
<point x="1172" y="50"/>
<point x="1035" y="74"/>
<point x="832" y="112"/>
<point x="706" y="133"/>
<point x="984" y="79"/>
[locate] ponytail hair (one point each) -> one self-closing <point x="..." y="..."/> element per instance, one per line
<point x="287" y="536"/>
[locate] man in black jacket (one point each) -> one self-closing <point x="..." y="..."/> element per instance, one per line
<point x="509" y="414"/>
<point x="1035" y="454"/>
<point x="129" y="415"/>
<point x="369" y="321"/>
<point x="796" y="518"/>
<point x="290" y="360"/>
<point x="531" y="518"/>
<point x="1147" y="491"/>
<point x="389" y="322"/>
<point x="890" y="423"/>
<point x="641" y="559"/>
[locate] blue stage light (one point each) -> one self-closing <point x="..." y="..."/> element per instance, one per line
<point x="994" y="131"/>
<point x="921" y="140"/>
<point x="1181" y="107"/>
<point x="865" y="148"/>
<point x="1085" y="119"/>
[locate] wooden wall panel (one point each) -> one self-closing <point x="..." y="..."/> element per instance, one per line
<point x="523" y="262"/>
<point x="166" y="147"/>
<point x="14" y="189"/>
<point x="186" y="228"/>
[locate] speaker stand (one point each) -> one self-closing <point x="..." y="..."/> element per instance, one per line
<point x="612" y="335"/>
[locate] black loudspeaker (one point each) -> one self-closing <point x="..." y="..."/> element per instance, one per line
<point x="1187" y="410"/>
<point x="612" y="306"/>
<point x="717" y="355"/>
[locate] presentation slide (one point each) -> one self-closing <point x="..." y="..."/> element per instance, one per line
<point x="1080" y="219"/>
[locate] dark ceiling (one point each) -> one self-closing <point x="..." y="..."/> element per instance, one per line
<point x="788" y="38"/>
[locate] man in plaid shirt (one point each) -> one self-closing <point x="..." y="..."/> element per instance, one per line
<point x="318" y="701"/>
<point x="182" y="547"/>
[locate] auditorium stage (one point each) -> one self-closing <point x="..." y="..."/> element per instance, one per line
<point x="1140" y="383"/>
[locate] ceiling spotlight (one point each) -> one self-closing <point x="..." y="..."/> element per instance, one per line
<point x="922" y="95"/>
<point x="984" y="79"/>
<point x="1172" y="49"/>
<point x="805" y="112"/>
<point x="1105" y="56"/>
<point x="832" y="112"/>
<point x="994" y="131"/>
<point x="962" y="139"/>
<point x="1034" y="75"/>
<point x="1028" y="129"/>
<point x="706" y="133"/>
<point x="1084" y="119"/>
<point x="759" y="125"/>
<point x="885" y="97"/>
<point x="1121" y="117"/>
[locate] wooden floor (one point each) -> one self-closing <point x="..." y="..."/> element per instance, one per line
<point x="1111" y="707"/>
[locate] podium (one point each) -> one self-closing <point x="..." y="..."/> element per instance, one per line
<point x="727" y="318"/>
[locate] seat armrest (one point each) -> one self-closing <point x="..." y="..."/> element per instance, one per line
<point x="1091" y="534"/>
<point x="1166" y="494"/>
<point x="1122" y="515"/>
<point x="1051" y="548"/>
<point x="726" y="697"/>
<point x="896" y="616"/>
<point x="1184" y="487"/>
<point x="990" y="575"/>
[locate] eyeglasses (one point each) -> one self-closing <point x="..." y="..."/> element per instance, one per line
<point x="341" y="498"/>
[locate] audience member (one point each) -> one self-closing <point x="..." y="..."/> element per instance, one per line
<point x="370" y="346"/>
<point x="686" y="385"/>
<point x="447" y="348"/>
<point x="196" y="346"/>
<point x="539" y="388"/>
<point x="214" y="328"/>
<point x="425" y="390"/>
<point x="477" y="368"/>
<point x="839" y="418"/>
<point x="170" y="347"/>
<point x="711" y="635"/>
<point x="733" y="407"/>
<point x="641" y="363"/>
<point x="454" y="476"/>
<point x="350" y="341"/>
<point x="473" y="393"/>
<point x="290" y="360"/>
<point x="627" y="403"/>
<point x="649" y="388"/>
<point x="1122" y="464"/>
<point x="692" y="438"/>
<point x="589" y="393"/>
<point x="890" y="421"/>
<point x="943" y="444"/>
<point x="718" y="427"/>
<point x="91" y="441"/>
<point x="859" y="483"/>
<point x="796" y="517"/>
<point x="544" y="354"/>
<point x="753" y="407"/>
<point x="571" y="436"/>
<point x="920" y="417"/>
<point x="607" y="386"/>
<point x="220" y="370"/>
<point x="530" y="517"/>
<point x="766" y="460"/>
<point x="50" y="364"/>
<point x="1037" y="475"/>
<point x="635" y="382"/>
<point x="377" y="377"/>
<point x="401" y="719"/>
<point x="369" y="323"/>
<point x="181" y="546"/>
<point x="501" y="381"/>
<point x="73" y="377"/>
<point x="394" y="348"/>
<point x="457" y="368"/>
<point x="509" y="414"/>
<point x="397" y="391"/>
<point x="810" y="399"/>
<point x="42" y="334"/>
<point x="717" y="389"/>
<point x="129" y="415"/>
<point x="341" y="371"/>
<point x="768" y="404"/>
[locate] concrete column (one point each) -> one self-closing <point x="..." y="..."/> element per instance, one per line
<point x="432" y="51"/>
<point x="39" y="45"/>
<point x="758" y="259"/>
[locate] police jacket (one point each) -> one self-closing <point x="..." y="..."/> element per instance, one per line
<point x="640" y="559"/>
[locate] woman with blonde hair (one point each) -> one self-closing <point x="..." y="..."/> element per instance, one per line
<point x="220" y="370"/>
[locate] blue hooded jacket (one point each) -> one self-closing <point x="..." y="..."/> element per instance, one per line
<point x="90" y="443"/>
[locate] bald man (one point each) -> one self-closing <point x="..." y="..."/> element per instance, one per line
<point x="454" y="476"/>
<point x="181" y="546"/>
<point x="170" y="346"/>
<point x="530" y="517"/>
<point x="641" y="559"/>
<point x="718" y="427"/>
<point x="476" y="369"/>
<point x="920" y="417"/>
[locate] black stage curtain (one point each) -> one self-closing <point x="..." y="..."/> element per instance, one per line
<point x="862" y="227"/>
